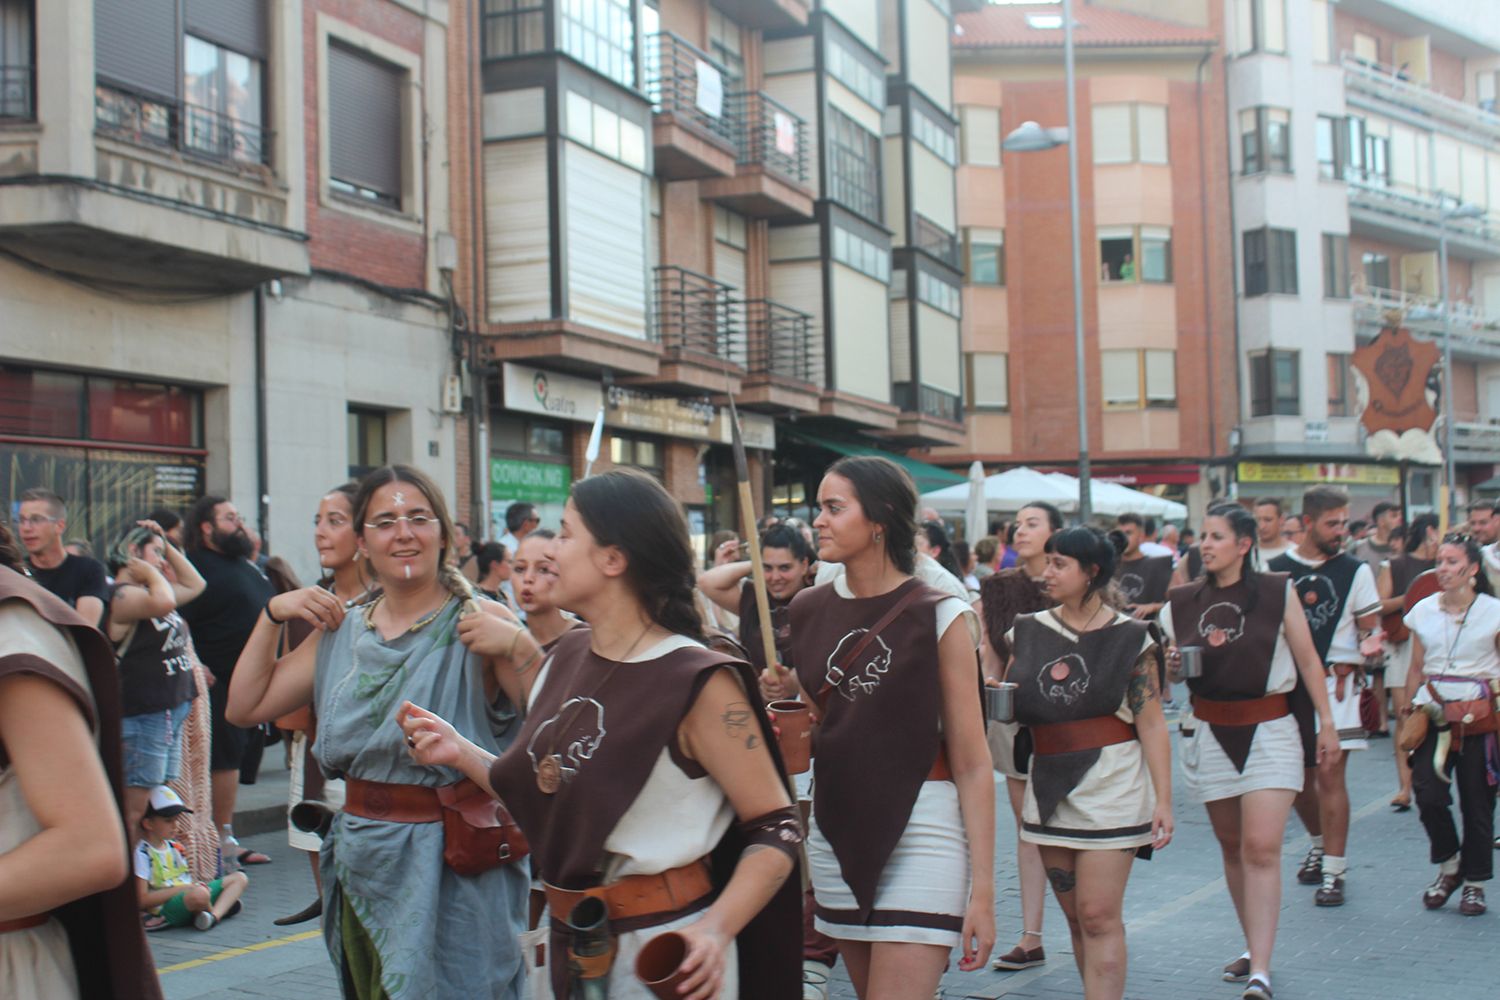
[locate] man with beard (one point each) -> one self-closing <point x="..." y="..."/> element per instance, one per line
<point x="221" y="620"/>
<point x="41" y="523"/>
<point x="1342" y="606"/>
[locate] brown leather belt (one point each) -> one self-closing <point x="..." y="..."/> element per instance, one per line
<point x="392" y="803"/>
<point x="638" y="895"/>
<point x="1249" y="712"/>
<point x="940" y="769"/>
<point x="24" y="923"/>
<point x="1080" y="734"/>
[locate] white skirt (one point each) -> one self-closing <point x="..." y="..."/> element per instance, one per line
<point x="333" y="794"/>
<point x="1352" y="735"/>
<point x="1001" y="737"/>
<point x="1111" y="807"/>
<point x="1275" y="761"/>
<point x="1397" y="664"/>
<point x="924" y="889"/>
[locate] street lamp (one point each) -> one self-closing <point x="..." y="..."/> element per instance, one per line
<point x="1029" y="138"/>
<point x="1446" y="216"/>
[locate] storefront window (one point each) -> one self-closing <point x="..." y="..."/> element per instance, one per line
<point x="41" y="404"/>
<point x="143" y="413"/>
<point x="643" y="453"/>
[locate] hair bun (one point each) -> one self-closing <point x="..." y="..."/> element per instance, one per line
<point x="1118" y="541"/>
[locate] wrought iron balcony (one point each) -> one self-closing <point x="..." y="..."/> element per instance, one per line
<point x="770" y="135"/>
<point x="186" y="128"/>
<point x="780" y="342"/>
<point x="927" y="401"/>
<point x="16" y="92"/>
<point x="695" y="315"/>
<point x="684" y="81"/>
<point x="932" y="238"/>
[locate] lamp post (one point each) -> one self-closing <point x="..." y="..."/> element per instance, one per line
<point x="1446" y="216"/>
<point x="1030" y="137"/>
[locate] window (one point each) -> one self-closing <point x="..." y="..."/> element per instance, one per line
<point x="1270" y="261"/>
<point x="939" y="294"/>
<point x="604" y="131"/>
<point x="222" y="113"/>
<point x="1366" y="48"/>
<point x="513" y="435"/>
<point x="514" y="27"/>
<point x="1265" y="140"/>
<point x="724" y="46"/>
<point x="989" y="380"/>
<point x="366" y="441"/>
<point x="1332" y="135"/>
<point x="729" y="228"/>
<point x="1340" y="396"/>
<point x="16" y="69"/>
<point x="1321" y="16"/>
<point x="1137" y="379"/>
<point x="853" y="165"/>
<point x="1335" y="266"/>
<point x="861" y="254"/>
<point x="979" y="132"/>
<point x="364" y="127"/>
<point x="601" y="35"/>
<point x="1274" y="384"/>
<point x="1377" y="270"/>
<point x="935" y="137"/>
<point x="984" y="256"/>
<point x="641" y="452"/>
<point x="847" y="68"/>
<point x="1135" y="253"/>
<point x="1130" y="133"/>
<point x="1260" y="26"/>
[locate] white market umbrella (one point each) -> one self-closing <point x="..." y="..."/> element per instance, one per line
<point x="975" y="513"/>
<point x="1005" y="492"/>
<point x="1112" y="499"/>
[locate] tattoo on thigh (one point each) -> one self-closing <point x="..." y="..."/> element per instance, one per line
<point x="739" y="723"/>
<point x="1062" y="879"/>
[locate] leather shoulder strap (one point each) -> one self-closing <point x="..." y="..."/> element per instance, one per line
<point x="835" y="675"/>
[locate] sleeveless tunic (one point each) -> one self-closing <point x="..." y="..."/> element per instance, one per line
<point x="438" y="934"/>
<point x="781" y="625"/>
<point x="1093" y="799"/>
<point x="889" y="858"/>
<point x="91" y="948"/>
<point x="1245" y="656"/>
<point x="1003" y="596"/>
<point x="631" y="803"/>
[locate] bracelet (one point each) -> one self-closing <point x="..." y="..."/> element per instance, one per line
<point x="510" y="654"/>
<point x="270" y="617"/>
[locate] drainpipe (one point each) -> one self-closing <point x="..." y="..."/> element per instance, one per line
<point x="1234" y="258"/>
<point x="1208" y="316"/>
<point x="262" y="456"/>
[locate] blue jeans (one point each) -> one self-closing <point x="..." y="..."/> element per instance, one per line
<point x="153" y="746"/>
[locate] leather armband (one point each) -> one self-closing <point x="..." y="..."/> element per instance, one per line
<point x="781" y="829"/>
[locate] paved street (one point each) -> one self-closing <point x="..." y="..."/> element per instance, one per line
<point x="1382" y="944"/>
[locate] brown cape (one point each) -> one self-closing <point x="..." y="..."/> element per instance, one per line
<point x="104" y="930"/>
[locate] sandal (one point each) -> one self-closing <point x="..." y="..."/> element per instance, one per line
<point x="1401" y="803"/>
<point x="154" y="922"/>
<point x="1257" y="989"/>
<point x="1239" y="970"/>
<point x="249" y="857"/>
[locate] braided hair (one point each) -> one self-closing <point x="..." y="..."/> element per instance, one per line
<point x="1242" y="523"/>
<point x="448" y="575"/>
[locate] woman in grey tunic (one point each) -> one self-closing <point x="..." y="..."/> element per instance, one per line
<point x="398" y="922"/>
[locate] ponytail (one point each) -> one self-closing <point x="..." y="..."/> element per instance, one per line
<point x="1242" y="523"/>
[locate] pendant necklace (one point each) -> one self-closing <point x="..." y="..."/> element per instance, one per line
<point x="549" y="768"/>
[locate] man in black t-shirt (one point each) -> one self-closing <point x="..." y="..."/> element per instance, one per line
<point x="221" y="621"/>
<point x="78" y="580"/>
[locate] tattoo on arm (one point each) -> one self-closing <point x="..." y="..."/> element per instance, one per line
<point x="739" y="723"/>
<point x="1144" y="687"/>
<point x="1062" y="879"/>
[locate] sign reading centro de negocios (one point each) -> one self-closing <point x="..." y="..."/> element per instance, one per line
<point x="534" y="482"/>
<point x="551" y="394"/>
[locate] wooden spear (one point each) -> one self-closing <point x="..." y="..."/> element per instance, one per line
<point x="752" y="542"/>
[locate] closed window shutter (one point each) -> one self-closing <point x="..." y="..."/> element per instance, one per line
<point x="1161" y="376"/>
<point x="990" y="379"/>
<point x="235" y="24"/>
<point x="364" y="128"/>
<point x="1112" y="136"/>
<point x="137" y="45"/>
<point x="1120" y="377"/>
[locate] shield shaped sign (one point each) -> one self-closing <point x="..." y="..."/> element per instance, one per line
<point x="1396" y="366"/>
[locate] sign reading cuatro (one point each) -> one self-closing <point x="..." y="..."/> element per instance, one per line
<point x="551" y="394"/>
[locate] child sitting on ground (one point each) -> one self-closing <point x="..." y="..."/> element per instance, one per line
<point x="168" y="894"/>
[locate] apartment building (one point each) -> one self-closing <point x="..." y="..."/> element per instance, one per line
<point x="1158" y="294"/>
<point x="222" y="232"/>
<point x="674" y="202"/>
<point x="1362" y="129"/>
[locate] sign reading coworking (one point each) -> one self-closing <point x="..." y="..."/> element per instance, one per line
<point x="1319" y="472"/>
<point x="534" y="482"/>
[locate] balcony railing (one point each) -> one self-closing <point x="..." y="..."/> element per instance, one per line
<point x="930" y="237"/>
<point x="1476" y="442"/>
<point x="1386" y="84"/>
<point x="684" y="81"/>
<point x="15" y="92"/>
<point x="695" y="315"/>
<point x="780" y="342"/>
<point x="187" y="128"/>
<point x="927" y="401"/>
<point x="770" y="135"/>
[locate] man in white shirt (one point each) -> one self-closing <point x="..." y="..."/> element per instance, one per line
<point x="1268" y="540"/>
<point x="1342" y="605"/>
<point x="1150" y="547"/>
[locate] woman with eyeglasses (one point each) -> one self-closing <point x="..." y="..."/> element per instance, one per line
<point x="1453" y="679"/>
<point x="398" y="921"/>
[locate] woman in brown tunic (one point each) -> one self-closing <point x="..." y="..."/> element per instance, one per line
<point x="1003" y="595"/>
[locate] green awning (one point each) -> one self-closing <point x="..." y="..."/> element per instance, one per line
<point x="928" y="477"/>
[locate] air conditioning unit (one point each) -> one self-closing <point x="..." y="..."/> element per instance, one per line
<point x="453" y="394"/>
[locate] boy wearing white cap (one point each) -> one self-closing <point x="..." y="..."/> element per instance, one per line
<point x="168" y="894"/>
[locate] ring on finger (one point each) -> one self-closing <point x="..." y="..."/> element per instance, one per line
<point x="411" y="741"/>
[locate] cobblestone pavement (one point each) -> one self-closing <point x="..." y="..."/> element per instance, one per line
<point x="1381" y="944"/>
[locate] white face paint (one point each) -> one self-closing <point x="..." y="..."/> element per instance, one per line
<point x="399" y="499"/>
<point x="408" y="571"/>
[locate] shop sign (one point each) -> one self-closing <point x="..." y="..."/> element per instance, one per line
<point x="655" y="413"/>
<point x="757" y="430"/>
<point x="513" y="479"/>
<point x="551" y="394"/>
<point x="1319" y="472"/>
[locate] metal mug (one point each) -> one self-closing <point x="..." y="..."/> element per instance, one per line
<point x="1000" y="702"/>
<point x="1192" y="661"/>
